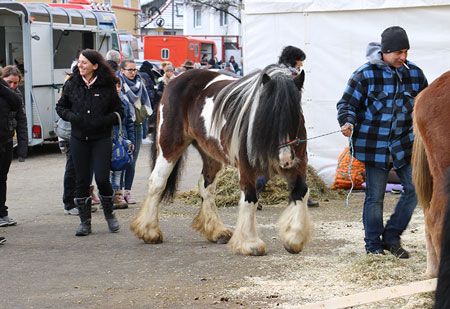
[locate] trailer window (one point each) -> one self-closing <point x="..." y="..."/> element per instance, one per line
<point x="165" y="53"/>
<point x="66" y="45"/>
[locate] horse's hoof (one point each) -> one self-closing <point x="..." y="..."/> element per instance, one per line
<point x="258" y="251"/>
<point x="293" y="250"/>
<point x="153" y="241"/>
<point x="223" y="239"/>
<point x="157" y="238"/>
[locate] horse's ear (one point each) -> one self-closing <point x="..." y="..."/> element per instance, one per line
<point x="265" y="78"/>
<point x="299" y="80"/>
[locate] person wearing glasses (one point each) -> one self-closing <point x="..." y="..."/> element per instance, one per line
<point x="134" y="92"/>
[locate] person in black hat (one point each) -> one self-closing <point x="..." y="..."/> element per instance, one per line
<point x="375" y="112"/>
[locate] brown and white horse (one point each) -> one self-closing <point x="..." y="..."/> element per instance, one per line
<point x="246" y="123"/>
<point x="431" y="158"/>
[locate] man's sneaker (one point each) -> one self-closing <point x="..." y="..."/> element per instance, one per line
<point x="397" y="251"/>
<point x="376" y="252"/>
<point x="2" y="240"/>
<point x="312" y="203"/>
<point x="129" y="198"/>
<point x="9" y="221"/>
<point x="72" y="211"/>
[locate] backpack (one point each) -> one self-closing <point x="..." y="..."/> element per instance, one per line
<point x="120" y="158"/>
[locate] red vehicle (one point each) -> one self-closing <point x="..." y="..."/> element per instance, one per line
<point x="177" y="48"/>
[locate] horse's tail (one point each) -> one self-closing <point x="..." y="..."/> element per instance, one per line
<point x="172" y="182"/>
<point x="422" y="178"/>
<point x="153" y="152"/>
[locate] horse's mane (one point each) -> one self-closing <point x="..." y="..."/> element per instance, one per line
<point x="257" y="113"/>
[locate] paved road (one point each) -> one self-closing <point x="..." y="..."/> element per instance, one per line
<point x="43" y="265"/>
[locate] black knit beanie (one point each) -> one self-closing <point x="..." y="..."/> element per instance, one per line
<point x="394" y="39"/>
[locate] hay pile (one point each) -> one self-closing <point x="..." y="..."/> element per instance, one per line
<point x="276" y="191"/>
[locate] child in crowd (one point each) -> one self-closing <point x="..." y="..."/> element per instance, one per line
<point x="129" y="135"/>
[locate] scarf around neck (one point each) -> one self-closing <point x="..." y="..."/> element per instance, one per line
<point x="135" y="93"/>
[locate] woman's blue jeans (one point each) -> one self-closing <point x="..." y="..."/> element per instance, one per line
<point x="376" y="235"/>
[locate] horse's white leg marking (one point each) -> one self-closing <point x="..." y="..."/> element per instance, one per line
<point x="432" y="261"/>
<point x="146" y="224"/>
<point x="245" y="239"/>
<point x="295" y="225"/>
<point x="207" y="221"/>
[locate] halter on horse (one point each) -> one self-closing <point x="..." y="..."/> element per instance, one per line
<point x="237" y="122"/>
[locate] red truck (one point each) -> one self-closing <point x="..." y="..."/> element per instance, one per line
<point x="177" y="48"/>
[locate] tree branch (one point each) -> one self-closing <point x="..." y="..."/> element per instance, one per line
<point x="218" y="8"/>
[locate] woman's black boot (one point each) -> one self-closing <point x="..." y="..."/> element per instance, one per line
<point x="107" y="203"/>
<point x="84" y="208"/>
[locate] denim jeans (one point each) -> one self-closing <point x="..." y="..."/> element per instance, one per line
<point x="129" y="172"/>
<point x="376" y="180"/>
<point x="116" y="177"/>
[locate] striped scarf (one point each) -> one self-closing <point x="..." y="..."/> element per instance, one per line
<point x="134" y="92"/>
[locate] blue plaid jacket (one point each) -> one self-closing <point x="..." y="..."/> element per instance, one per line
<point x="378" y="101"/>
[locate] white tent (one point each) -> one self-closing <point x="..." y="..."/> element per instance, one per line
<point x="334" y="36"/>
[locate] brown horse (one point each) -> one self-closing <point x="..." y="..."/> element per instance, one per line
<point x="431" y="158"/>
<point x="247" y="123"/>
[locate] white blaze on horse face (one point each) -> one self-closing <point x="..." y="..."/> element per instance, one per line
<point x="218" y="79"/>
<point x="286" y="157"/>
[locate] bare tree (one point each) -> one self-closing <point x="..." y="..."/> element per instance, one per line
<point x="220" y="5"/>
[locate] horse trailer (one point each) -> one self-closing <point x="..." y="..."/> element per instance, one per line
<point x="43" y="40"/>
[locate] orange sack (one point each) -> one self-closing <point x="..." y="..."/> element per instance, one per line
<point x="341" y="180"/>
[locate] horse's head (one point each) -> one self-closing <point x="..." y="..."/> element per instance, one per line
<point x="277" y="119"/>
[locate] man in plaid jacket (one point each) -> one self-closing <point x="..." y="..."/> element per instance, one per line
<point x="376" y="112"/>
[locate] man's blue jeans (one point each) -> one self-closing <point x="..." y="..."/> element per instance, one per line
<point x="376" y="180"/>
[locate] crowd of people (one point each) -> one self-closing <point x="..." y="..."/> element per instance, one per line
<point x="375" y="113"/>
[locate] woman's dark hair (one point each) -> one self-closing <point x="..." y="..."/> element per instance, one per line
<point x="147" y="67"/>
<point x="104" y="72"/>
<point x="290" y="55"/>
<point x="124" y="63"/>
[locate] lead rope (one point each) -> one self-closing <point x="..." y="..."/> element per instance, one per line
<point x="297" y="141"/>
<point x="349" y="172"/>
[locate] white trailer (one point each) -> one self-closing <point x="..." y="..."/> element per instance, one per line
<point x="46" y="38"/>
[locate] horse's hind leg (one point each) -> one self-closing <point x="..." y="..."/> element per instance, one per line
<point x="245" y="239"/>
<point x="207" y="221"/>
<point x="432" y="260"/>
<point x="146" y="224"/>
<point x="294" y="223"/>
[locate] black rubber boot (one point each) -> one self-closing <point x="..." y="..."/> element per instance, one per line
<point x="107" y="203"/>
<point x="84" y="208"/>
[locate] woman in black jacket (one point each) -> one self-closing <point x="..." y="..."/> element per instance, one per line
<point x="12" y="118"/>
<point x="88" y="101"/>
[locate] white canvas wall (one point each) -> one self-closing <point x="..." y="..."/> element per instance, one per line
<point x="334" y="40"/>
